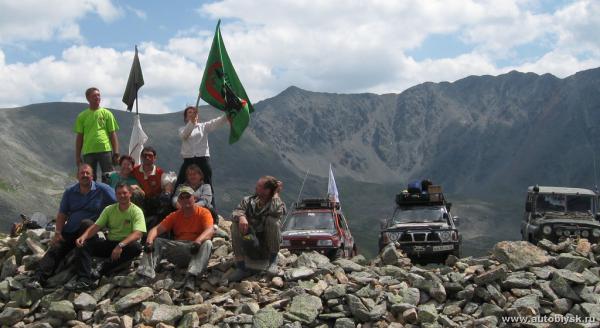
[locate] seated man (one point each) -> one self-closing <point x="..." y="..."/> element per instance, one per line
<point x="80" y="206"/>
<point x="256" y="229"/>
<point x="192" y="226"/>
<point x="156" y="200"/>
<point x="125" y="223"/>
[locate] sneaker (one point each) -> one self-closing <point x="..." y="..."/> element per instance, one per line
<point x="239" y="275"/>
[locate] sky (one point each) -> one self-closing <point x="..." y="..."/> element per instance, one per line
<point x="54" y="50"/>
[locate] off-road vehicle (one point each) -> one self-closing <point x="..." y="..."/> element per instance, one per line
<point x="556" y="213"/>
<point x="318" y="224"/>
<point x="422" y="225"/>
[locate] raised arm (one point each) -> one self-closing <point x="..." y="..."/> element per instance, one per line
<point x="215" y="123"/>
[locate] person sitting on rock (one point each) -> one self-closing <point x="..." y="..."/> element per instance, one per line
<point x="192" y="226"/>
<point x="256" y="229"/>
<point x="80" y="206"/>
<point x="126" y="225"/>
<point x="149" y="175"/>
<point x="126" y="165"/>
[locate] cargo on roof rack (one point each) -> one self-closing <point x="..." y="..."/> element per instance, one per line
<point x="309" y="203"/>
<point x="433" y="196"/>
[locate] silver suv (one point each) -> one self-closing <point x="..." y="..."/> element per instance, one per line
<point x="556" y="213"/>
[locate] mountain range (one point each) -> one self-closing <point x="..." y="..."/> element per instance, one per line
<point x="483" y="138"/>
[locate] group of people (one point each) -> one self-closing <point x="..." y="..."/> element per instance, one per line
<point x="139" y="213"/>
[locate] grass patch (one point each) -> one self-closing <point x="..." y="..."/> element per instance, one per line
<point x="5" y="186"/>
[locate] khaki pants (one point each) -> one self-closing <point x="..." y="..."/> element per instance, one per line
<point x="269" y="235"/>
<point x="178" y="253"/>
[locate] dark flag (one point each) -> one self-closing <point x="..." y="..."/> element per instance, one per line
<point x="222" y="88"/>
<point x="134" y="83"/>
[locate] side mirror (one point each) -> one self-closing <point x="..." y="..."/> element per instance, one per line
<point x="448" y="206"/>
<point x="456" y="220"/>
<point x="528" y="207"/>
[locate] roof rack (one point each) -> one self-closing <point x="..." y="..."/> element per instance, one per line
<point x="315" y="203"/>
<point x="433" y="196"/>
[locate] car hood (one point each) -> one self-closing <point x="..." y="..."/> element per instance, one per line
<point x="419" y="226"/>
<point x="312" y="233"/>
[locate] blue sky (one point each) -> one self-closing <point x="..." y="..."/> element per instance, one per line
<point x="55" y="51"/>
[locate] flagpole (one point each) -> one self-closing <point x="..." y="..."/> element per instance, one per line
<point x="136" y="91"/>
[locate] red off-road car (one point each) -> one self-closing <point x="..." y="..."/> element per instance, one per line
<point x="318" y="225"/>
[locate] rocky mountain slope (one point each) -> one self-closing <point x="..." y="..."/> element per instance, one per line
<point x="484" y="138"/>
<point x="518" y="285"/>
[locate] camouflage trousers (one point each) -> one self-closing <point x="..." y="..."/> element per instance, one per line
<point x="177" y="252"/>
<point x="270" y="240"/>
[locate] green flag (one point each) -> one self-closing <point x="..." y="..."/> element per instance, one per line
<point x="134" y="83"/>
<point x="222" y="88"/>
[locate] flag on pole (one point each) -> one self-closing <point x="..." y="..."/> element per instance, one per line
<point x="134" y="83"/>
<point x="137" y="140"/>
<point x="222" y="88"/>
<point x="332" y="192"/>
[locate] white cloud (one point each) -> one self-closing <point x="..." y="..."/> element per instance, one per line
<point x="332" y="46"/>
<point x="30" y="20"/>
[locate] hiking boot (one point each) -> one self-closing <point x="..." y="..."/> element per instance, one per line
<point x="239" y="275"/>
<point x="272" y="269"/>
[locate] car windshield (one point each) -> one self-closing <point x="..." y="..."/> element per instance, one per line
<point x="310" y="221"/>
<point x="564" y="203"/>
<point x="418" y="215"/>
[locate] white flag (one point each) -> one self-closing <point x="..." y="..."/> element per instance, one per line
<point x="137" y="140"/>
<point x="332" y="191"/>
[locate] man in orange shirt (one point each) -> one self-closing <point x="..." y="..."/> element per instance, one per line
<point x="192" y="226"/>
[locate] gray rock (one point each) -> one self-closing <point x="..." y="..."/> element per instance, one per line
<point x="389" y="255"/>
<point x="562" y="305"/>
<point x="101" y="291"/>
<point x="348" y="266"/>
<point x="519" y="255"/>
<point x="334" y="291"/>
<point x="344" y="323"/>
<point x="304" y="308"/>
<point x="85" y="302"/>
<point x="410" y="315"/>
<point x="134" y="298"/>
<point x="410" y="295"/>
<point x="531" y="301"/>
<point x="570" y="276"/>
<point x="312" y="260"/>
<point x="489" y="309"/>
<point x="154" y="313"/>
<point x="267" y="318"/>
<point x="189" y="320"/>
<point x="427" y="313"/>
<point x="498" y="273"/>
<point x="360" y="308"/>
<point x="10" y="316"/>
<point x="591" y="310"/>
<point x="572" y="262"/>
<point x="63" y="310"/>
<point x="9" y="267"/>
<point x="447" y="322"/>
<point x="298" y="273"/>
<point x="542" y="272"/>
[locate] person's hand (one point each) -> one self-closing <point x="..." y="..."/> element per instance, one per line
<point x="243" y="224"/>
<point x="79" y="242"/>
<point x="116" y="253"/>
<point x="115" y="158"/>
<point x="149" y="246"/>
<point x="57" y="239"/>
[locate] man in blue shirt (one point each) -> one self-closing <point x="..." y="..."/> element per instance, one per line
<point x="80" y="206"/>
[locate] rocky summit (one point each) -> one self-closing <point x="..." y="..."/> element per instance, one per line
<point x="517" y="285"/>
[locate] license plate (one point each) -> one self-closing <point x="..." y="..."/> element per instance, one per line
<point x="419" y="248"/>
<point x="443" y="248"/>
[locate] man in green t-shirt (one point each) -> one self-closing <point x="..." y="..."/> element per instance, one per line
<point x="125" y="223"/>
<point x="96" y="129"/>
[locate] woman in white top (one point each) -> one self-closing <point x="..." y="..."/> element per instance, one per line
<point x="194" y="144"/>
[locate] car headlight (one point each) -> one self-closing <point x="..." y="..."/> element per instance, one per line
<point x="393" y="236"/>
<point x="566" y="233"/>
<point x="325" y="242"/>
<point x="445" y="236"/>
<point x="596" y="233"/>
<point x="547" y="230"/>
<point x="585" y="234"/>
<point x="286" y="243"/>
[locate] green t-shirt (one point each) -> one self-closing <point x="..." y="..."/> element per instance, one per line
<point x="96" y="126"/>
<point x="121" y="223"/>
